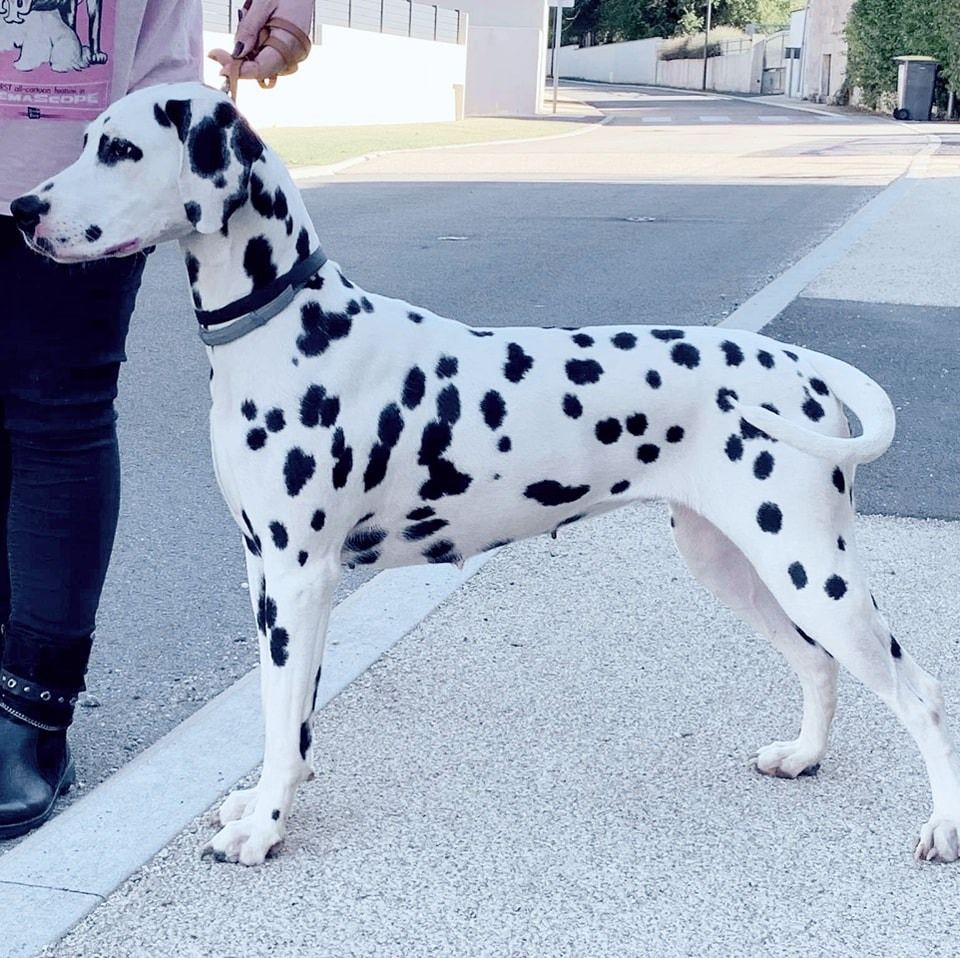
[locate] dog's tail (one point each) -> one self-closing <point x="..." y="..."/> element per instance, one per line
<point x="855" y="390"/>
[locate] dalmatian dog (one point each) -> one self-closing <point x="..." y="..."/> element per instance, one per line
<point x="350" y="429"/>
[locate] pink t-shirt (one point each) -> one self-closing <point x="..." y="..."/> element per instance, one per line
<point x="60" y="67"/>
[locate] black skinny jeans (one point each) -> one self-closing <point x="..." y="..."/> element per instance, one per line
<point x="62" y="334"/>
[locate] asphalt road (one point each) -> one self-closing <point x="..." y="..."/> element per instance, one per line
<point x="175" y="625"/>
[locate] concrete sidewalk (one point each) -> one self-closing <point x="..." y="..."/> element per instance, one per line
<point x="555" y="762"/>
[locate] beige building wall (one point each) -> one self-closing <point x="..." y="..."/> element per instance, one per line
<point x="825" y="49"/>
<point x="506" y="55"/>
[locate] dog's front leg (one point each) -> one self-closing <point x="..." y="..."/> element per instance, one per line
<point x="292" y="616"/>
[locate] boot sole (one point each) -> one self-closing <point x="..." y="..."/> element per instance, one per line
<point x="16" y="829"/>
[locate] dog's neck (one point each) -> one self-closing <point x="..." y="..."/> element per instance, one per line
<point x="263" y="239"/>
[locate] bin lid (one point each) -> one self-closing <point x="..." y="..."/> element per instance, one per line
<point x="921" y="59"/>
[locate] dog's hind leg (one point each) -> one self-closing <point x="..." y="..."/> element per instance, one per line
<point x="816" y="578"/>
<point x="722" y="568"/>
<point x="295" y="610"/>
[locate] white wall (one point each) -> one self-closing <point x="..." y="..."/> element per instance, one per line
<point x="631" y="62"/>
<point x="355" y="77"/>
<point x="506" y="50"/>
<point x="636" y="62"/>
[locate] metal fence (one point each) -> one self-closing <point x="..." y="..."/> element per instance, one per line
<point x="404" y="18"/>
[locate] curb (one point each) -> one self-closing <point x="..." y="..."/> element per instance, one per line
<point x="61" y="872"/>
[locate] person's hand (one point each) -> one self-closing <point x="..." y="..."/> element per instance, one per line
<point x="266" y="62"/>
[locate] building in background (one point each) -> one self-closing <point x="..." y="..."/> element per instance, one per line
<point x="824" y="56"/>
<point x="506" y="56"/>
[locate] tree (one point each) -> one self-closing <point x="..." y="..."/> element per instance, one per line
<point x="879" y="30"/>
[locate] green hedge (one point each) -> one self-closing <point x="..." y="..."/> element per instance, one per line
<point x="879" y="30"/>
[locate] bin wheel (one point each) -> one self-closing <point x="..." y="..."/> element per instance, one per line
<point x="901" y="114"/>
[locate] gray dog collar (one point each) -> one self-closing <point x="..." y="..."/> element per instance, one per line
<point x="258" y="308"/>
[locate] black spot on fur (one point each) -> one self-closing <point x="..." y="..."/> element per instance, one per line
<point x="414" y="387"/>
<point x="362" y="540"/>
<point x="819" y="386"/>
<point x="348" y="284"/>
<point x="667" y="334"/>
<point x="494" y="409"/>
<point x="257" y="438"/>
<point x="648" y="453"/>
<point x="812" y="409"/>
<point x="248" y="409"/>
<point x="441" y="551"/>
<point x="619" y="487"/>
<point x="653" y="379"/>
<point x="518" y="363"/>
<point x="765" y="359"/>
<point x="835" y="587"/>
<point x="624" y="340"/>
<point x="306" y="738"/>
<point x="343" y="459"/>
<point x="583" y="371"/>
<point x="274" y="420"/>
<point x="734" y="448"/>
<point x="258" y="261"/>
<point x="424" y="512"/>
<point x="791" y="355"/>
<point x="448" y="404"/>
<point x="303" y="244"/>
<point x="278" y="532"/>
<point x="724" y="396"/>
<point x="798" y="575"/>
<point x="447" y="367"/>
<point x="838" y="481"/>
<point x="895" y="649"/>
<point x="749" y="431"/>
<point x="841" y="545"/>
<point x="320" y="328"/>
<point x="733" y="353"/>
<point x="683" y="354"/>
<point x="302" y="558"/>
<point x="608" y="431"/>
<point x="279" y="639"/>
<point x="549" y="492"/>
<point x="297" y="470"/>
<point x="763" y="465"/>
<point x="481" y="332"/>
<point x="675" y="434"/>
<point x="445" y="480"/>
<point x="318" y="520"/>
<point x="415" y="317"/>
<point x="317" y="408"/>
<point x="504" y="444"/>
<point x="769" y="517"/>
<point x="637" y="424"/>
<point x="572" y="406"/>
<point x="583" y="340"/>
<point x="434" y="442"/>
<point x="424" y="529"/>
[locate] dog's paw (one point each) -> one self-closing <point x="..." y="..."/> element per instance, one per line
<point x="248" y="841"/>
<point x="939" y="840"/>
<point x="786" y="759"/>
<point x="237" y="805"/>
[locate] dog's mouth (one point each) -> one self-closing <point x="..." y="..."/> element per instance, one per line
<point x="123" y="249"/>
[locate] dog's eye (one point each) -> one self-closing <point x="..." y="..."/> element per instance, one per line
<point x="111" y="150"/>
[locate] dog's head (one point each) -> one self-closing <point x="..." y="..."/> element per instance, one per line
<point x="156" y="165"/>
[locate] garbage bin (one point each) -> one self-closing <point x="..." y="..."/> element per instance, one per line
<point x="915" y="80"/>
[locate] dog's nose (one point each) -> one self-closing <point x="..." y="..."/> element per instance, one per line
<point x="27" y="211"/>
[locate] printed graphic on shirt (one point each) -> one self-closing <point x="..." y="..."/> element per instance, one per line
<point x="55" y="58"/>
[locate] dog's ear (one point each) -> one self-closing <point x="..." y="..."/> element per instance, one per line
<point x="218" y="150"/>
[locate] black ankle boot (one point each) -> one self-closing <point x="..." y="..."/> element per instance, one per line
<point x="35" y="768"/>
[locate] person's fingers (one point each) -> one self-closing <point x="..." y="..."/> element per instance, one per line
<point x="252" y="23"/>
<point x="268" y="63"/>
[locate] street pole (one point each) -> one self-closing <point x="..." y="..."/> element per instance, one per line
<point x="706" y="42"/>
<point x="556" y="55"/>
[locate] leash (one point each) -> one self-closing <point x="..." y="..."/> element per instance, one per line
<point x="257" y="308"/>
<point x="291" y="53"/>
